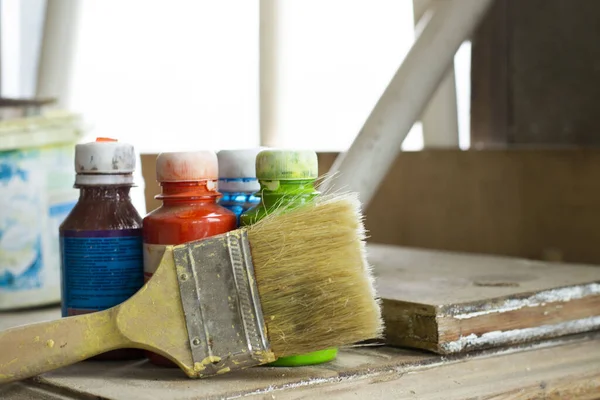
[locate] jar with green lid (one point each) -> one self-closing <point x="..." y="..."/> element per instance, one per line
<point x="287" y="179"/>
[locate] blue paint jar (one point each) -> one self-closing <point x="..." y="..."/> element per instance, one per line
<point x="237" y="180"/>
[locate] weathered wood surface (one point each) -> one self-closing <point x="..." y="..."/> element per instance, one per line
<point x="560" y="369"/>
<point x="549" y="370"/>
<point x="569" y="371"/>
<point x="556" y="369"/>
<point x="451" y="302"/>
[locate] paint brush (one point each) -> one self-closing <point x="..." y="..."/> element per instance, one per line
<point x="295" y="282"/>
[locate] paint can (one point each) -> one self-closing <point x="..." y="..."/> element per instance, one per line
<point x="36" y="195"/>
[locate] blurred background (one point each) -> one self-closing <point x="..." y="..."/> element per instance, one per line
<point x="164" y="75"/>
<point x="503" y="160"/>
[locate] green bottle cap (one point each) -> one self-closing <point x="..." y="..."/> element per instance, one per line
<point x="278" y="165"/>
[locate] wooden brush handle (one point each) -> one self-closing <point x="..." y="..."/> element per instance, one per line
<point x="29" y="350"/>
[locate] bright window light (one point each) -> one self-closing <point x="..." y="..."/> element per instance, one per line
<point x="336" y="58"/>
<point x="169" y="75"/>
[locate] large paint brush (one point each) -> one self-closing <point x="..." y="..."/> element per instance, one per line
<point x="293" y="283"/>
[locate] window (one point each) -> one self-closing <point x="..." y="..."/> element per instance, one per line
<point x="334" y="59"/>
<point x="170" y="75"/>
<point x="20" y="39"/>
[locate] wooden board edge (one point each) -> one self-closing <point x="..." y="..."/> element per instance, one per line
<point x="548" y="320"/>
<point x="510" y="320"/>
<point x="559" y="294"/>
<point x="469" y="341"/>
<point x="410" y="324"/>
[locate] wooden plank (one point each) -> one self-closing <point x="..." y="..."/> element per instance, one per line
<point x="490" y="118"/>
<point x="539" y="204"/>
<point x="535" y="82"/>
<point x="25" y="391"/>
<point x="568" y="368"/>
<point x="554" y="81"/>
<point x="450" y="303"/>
<point x="571" y="371"/>
<point x="151" y="187"/>
<point x="561" y="368"/>
<point x="143" y="381"/>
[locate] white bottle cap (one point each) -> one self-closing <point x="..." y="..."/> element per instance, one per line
<point x="187" y="166"/>
<point x="237" y="170"/>
<point x="104" y="162"/>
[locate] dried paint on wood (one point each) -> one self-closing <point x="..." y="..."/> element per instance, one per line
<point x="450" y="303"/>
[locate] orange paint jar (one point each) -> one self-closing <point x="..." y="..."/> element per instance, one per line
<point x="189" y="210"/>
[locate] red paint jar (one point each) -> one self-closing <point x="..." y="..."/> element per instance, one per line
<point x="189" y="211"/>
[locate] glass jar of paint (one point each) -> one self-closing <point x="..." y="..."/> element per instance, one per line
<point x="237" y="179"/>
<point x="287" y="179"/>
<point x="101" y="238"/>
<point x="189" y="211"/>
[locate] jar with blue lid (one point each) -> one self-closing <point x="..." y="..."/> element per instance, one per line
<point x="237" y="179"/>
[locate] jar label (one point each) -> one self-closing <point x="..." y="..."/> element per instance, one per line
<point x="100" y="269"/>
<point x="153" y="253"/>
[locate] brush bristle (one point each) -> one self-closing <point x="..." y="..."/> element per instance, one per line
<point x="315" y="285"/>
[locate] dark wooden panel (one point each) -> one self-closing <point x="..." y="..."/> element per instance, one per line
<point x="555" y="71"/>
<point x="489" y="80"/>
<point x="536" y="74"/>
<point x="541" y="204"/>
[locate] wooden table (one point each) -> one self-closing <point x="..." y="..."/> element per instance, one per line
<point x="566" y="368"/>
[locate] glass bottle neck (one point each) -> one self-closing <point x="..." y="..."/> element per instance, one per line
<point x="105" y="193"/>
<point x="197" y="191"/>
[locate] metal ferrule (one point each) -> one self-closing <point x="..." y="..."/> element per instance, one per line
<point x="225" y="324"/>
